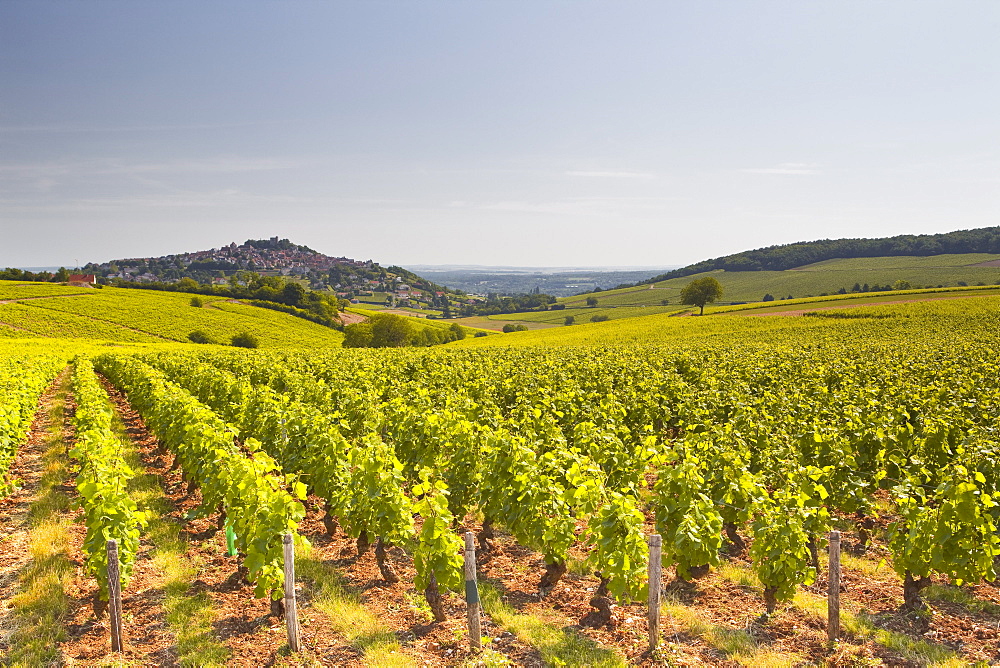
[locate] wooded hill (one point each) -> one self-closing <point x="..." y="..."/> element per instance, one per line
<point x="790" y="256"/>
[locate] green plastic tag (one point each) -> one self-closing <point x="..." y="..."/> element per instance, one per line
<point x="471" y="592"/>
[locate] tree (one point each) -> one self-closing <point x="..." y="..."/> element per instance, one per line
<point x="391" y="331"/>
<point x="292" y="294"/>
<point x="569" y="320"/>
<point x="358" y="335"/>
<point x="591" y="301"/>
<point x="701" y="291"/>
<point x="187" y="285"/>
<point x="245" y="340"/>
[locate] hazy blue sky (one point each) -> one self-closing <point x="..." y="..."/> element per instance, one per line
<point x="524" y="132"/>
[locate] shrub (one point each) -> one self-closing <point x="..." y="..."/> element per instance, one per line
<point x="570" y="320"/>
<point x="598" y="318"/>
<point x="479" y="334"/>
<point x="358" y="335"/>
<point x="198" y="336"/>
<point x="197" y="301"/>
<point x="245" y="340"/>
<point x="510" y="327"/>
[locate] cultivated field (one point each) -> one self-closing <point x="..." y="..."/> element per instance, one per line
<point x="142" y="316"/>
<point x="816" y="279"/>
<point x="742" y="441"/>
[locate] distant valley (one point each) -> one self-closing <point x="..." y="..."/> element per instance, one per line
<point x="556" y="281"/>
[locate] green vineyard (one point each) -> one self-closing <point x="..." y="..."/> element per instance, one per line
<point x="738" y="440"/>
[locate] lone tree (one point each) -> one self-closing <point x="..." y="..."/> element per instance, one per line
<point x="701" y="291"/>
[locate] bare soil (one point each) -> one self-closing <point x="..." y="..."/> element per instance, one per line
<point x="15" y="531"/>
<point x="351" y="318"/>
<point x="256" y="638"/>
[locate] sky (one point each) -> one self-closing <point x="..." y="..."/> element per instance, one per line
<point x="515" y="132"/>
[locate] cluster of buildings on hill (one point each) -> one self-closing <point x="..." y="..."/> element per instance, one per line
<point x="275" y="257"/>
<point x="270" y="257"/>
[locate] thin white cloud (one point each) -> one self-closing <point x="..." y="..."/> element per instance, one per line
<point x="581" y="206"/>
<point x="787" y="168"/>
<point x="219" y="165"/>
<point x="612" y="174"/>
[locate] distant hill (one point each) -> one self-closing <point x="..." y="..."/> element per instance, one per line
<point x="790" y="256"/>
<point x="556" y="281"/>
<point x="267" y="257"/>
<point x="822" y="278"/>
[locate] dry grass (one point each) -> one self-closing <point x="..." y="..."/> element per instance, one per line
<point x="42" y="605"/>
<point x="557" y="646"/>
<point x="360" y="628"/>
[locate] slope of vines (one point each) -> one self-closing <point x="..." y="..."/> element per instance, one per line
<point x="762" y="437"/>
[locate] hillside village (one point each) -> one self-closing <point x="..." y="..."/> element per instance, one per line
<point x="349" y="278"/>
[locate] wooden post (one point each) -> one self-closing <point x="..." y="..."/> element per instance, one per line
<point x="291" y="611"/>
<point x="472" y="592"/>
<point x="655" y="583"/>
<point x="833" y="593"/>
<point x="114" y="596"/>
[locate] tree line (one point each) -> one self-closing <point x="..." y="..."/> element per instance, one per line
<point x="789" y="256"/>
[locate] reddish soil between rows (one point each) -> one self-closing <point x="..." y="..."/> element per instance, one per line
<point x="256" y="638"/>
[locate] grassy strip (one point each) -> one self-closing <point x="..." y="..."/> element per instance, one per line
<point x="41" y="607"/>
<point x="362" y="630"/>
<point x="557" y="646"/>
<point x="962" y="597"/>
<point x="188" y="614"/>
<point x="738" y="645"/>
<point x="860" y="626"/>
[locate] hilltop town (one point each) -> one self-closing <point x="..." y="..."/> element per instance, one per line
<point x="268" y="257"/>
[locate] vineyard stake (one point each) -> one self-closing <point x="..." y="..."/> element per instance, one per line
<point x="114" y="597"/>
<point x="472" y="592"/>
<point x="655" y="581"/>
<point x="291" y="611"/>
<point x="833" y="593"/>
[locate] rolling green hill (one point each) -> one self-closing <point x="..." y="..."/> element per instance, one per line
<point x="790" y="256"/>
<point x="141" y="316"/>
<point x="882" y="322"/>
<point x="815" y="279"/>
